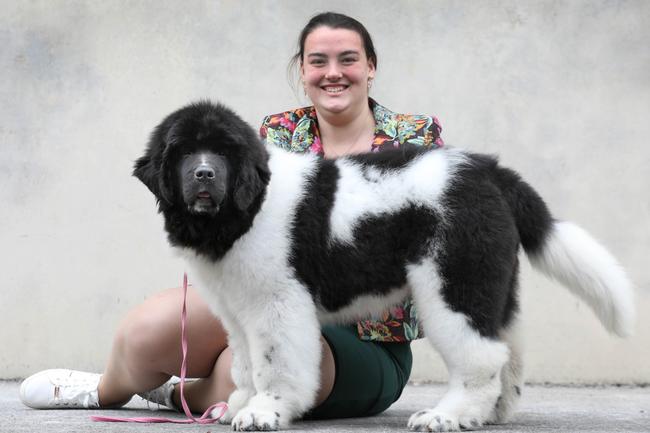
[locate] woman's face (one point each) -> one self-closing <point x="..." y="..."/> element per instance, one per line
<point x="335" y="70"/>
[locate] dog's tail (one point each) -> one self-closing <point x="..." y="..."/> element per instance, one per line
<point x="568" y="254"/>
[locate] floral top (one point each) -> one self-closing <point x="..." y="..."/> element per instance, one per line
<point x="297" y="131"/>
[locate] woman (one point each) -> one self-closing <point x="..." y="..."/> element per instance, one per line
<point x="364" y="367"/>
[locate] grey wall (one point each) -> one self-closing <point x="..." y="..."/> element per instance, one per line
<point x="559" y="89"/>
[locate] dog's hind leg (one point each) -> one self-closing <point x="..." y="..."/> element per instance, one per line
<point x="512" y="375"/>
<point x="474" y="362"/>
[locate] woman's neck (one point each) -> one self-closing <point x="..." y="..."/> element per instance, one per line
<point x="344" y="135"/>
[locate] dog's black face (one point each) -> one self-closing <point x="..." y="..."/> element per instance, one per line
<point x="208" y="170"/>
<point x="202" y="178"/>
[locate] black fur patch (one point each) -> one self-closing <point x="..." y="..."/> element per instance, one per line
<point x="477" y="257"/>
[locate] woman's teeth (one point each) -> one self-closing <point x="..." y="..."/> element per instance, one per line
<point x="337" y="89"/>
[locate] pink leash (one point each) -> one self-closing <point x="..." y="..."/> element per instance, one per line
<point x="205" y="418"/>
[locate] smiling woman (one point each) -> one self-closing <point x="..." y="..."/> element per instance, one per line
<point x="337" y="74"/>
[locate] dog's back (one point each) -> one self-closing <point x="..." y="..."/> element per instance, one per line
<point x="357" y="223"/>
<point x="362" y="220"/>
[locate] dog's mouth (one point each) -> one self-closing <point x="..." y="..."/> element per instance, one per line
<point x="204" y="204"/>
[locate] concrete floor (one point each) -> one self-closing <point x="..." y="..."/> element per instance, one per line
<point x="542" y="409"/>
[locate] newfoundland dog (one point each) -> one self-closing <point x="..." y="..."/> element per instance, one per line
<point x="280" y="242"/>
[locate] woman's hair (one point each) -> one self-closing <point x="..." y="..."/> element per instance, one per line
<point x="335" y="21"/>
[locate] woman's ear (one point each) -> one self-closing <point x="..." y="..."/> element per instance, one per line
<point x="302" y="78"/>
<point x="371" y="70"/>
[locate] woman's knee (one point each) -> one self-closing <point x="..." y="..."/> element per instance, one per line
<point x="327" y="372"/>
<point x="149" y="337"/>
<point x="223" y="381"/>
<point x="148" y="334"/>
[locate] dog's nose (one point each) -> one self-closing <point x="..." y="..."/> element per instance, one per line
<point x="204" y="172"/>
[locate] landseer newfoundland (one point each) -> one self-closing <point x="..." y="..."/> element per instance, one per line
<point x="280" y="242"/>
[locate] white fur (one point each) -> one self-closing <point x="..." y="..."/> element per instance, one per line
<point x="364" y="306"/>
<point x="265" y="307"/>
<point x="474" y="362"/>
<point x="512" y="374"/>
<point x="574" y="258"/>
<point x="357" y="197"/>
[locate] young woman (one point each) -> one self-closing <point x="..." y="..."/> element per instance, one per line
<point x="364" y="366"/>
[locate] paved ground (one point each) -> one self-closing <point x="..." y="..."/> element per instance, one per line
<point x="543" y="409"/>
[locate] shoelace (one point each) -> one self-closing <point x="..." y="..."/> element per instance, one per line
<point x="75" y="395"/>
<point x="81" y="399"/>
<point x="205" y="418"/>
<point x="151" y="398"/>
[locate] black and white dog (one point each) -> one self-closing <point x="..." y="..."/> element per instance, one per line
<point x="280" y="242"/>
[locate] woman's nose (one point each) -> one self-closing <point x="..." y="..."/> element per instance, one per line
<point x="333" y="71"/>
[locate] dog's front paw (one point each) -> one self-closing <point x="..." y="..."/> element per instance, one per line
<point x="226" y="418"/>
<point x="438" y="421"/>
<point x="249" y="419"/>
<point x="237" y="401"/>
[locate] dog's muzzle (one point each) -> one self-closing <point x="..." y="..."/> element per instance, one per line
<point x="203" y="178"/>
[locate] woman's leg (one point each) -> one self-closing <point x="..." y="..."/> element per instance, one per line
<point x="203" y="393"/>
<point x="146" y="353"/>
<point x="146" y="350"/>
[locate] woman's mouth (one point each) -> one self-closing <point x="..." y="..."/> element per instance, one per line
<point x="333" y="90"/>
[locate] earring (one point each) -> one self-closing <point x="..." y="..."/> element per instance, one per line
<point x="369" y="83"/>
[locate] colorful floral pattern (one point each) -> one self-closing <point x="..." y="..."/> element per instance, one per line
<point x="297" y="131"/>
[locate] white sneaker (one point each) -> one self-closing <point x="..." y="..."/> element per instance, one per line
<point x="162" y="395"/>
<point x="60" y="389"/>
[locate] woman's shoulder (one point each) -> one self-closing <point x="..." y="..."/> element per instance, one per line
<point x="394" y="129"/>
<point x="287" y="119"/>
<point x="293" y="130"/>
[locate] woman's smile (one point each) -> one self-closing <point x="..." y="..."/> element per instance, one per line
<point x="334" y="89"/>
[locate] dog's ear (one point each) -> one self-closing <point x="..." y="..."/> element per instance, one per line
<point x="250" y="182"/>
<point x="148" y="170"/>
<point x="144" y="170"/>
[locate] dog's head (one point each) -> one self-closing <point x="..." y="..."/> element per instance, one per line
<point x="204" y="160"/>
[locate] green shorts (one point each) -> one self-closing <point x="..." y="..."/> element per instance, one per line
<point x="370" y="376"/>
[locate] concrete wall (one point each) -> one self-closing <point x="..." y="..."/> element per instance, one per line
<point x="559" y="89"/>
